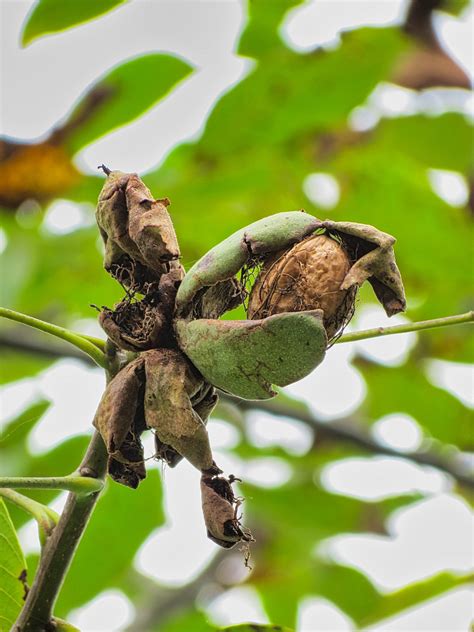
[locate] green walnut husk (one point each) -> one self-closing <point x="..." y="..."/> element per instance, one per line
<point x="246" y="357"/>
<point x="302" y="299"/>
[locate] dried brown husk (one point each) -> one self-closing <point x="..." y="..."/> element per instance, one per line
<point x="159" y="390"/>
<point x="213" y="302"/>
<point x="306" y="276"/>
<point x="372" y="252"/>
<point x="134" y="326"/>
<point x="139" y="237"/>
<point x="220" y="507"/>
<point x="203" y="406"/>
<point x="120" y="421"/>
<point x="138" y="325"/>
<point x="171" y="384"/>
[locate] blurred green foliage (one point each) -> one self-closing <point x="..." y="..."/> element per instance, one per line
<point x="285" y="120"/>
<point x="51" y="16"/>
<point x="12" y="571"/>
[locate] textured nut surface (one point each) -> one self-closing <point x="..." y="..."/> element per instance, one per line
<point x="307" y="276"/>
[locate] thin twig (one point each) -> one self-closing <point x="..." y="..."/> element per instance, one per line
<point x="61" y="546"/>
<point x="446" y="321"/>
<point x="46" y="517"/>
<point x="348" y="430"/>
<point x="94" y="347"/>
<point x="78" y="484"/>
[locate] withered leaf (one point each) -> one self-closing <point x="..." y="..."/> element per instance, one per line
<point x="119" y="419"/>
<point x="140" y="242"/>
<point x="220" y="507"/>
<point x="170" y="384"/>
<point x="150" y="226"/>
<point x="374" y="260"/>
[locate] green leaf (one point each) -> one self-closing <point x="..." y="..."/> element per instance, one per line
<point x="12" y="572"/>
<point x="295" y="93"/>
<point x="118" y="527"/>
<point x="455" y="7"/>
<point x="255" y="627"/>
<point x="281" y="599"/>
<point x="14" y="433"/>
<point x="194" y="621"/>
<point x="406" y="389"/>
<point x="17" y="365"/>
<point x="412" y="595"/>
<point x="346" y="587"/>
<point x="261" y="33"/>
<point x="438" y="142"/>
<point x="51" y="16"/>
<point x="129" y="90"/>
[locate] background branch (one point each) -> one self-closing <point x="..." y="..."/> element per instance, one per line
<point x="351" y="430"/>
<point x="160" y="604"/>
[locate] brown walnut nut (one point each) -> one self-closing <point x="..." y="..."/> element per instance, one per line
<point x="307" y="276"/>
<point x="324" y="271"/>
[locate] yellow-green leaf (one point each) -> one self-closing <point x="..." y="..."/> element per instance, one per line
<point x="12" y="572"/>
<point x="52" y="16"/>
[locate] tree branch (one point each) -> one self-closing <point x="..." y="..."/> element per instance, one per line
<point x="36" y="615"/>
<point x="349" y="430"/>
<point x="159" y="604"/>
<point x="61" y="545"/>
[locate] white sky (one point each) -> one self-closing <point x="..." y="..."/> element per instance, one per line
<point x="39" y="86"/>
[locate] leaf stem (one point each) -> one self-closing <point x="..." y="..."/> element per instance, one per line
<point x="446" y="321"/>
<point x="77" y="484"/>
<point x="46" y="518"/>
<point x="94" y="347"/>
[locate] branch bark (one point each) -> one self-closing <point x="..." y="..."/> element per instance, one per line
<point x="59" y="549"/>
<point x="61" y="545"/>
<point x="159" y="604"/>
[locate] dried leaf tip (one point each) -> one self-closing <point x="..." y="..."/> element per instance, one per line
<point x="220" y="508"/>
